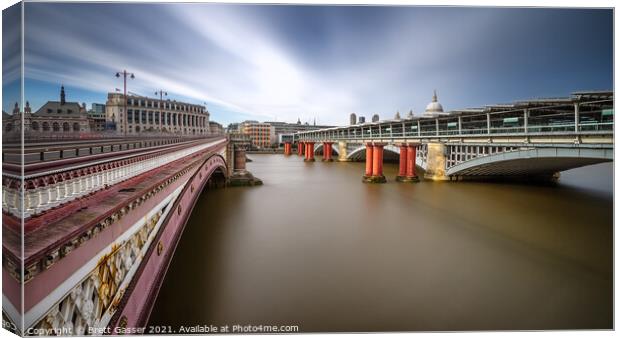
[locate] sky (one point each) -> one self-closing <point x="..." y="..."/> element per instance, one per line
<point x="281" y="62"/>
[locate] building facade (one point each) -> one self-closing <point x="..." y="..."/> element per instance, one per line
<point x="262" y="134"/>
<point x="97" y="117"/>
<point x="55" y="119"/>
<point x="284" y="128"/>
<point x="150" y="115"/>
<point x="215" y="128"/>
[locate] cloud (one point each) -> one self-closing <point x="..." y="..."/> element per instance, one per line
<point x="267" y="62"/>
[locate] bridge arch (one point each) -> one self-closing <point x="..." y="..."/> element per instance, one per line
<point x="318" y="149"/>
<point x="537" y="161"/>
<point x="390" y="152"/>
<point x="215" y="171"/>
<point x="136" y="311"/>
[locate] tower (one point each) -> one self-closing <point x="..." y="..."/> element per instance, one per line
<point x="352" y="119"/>
<point x="62" y="95"/>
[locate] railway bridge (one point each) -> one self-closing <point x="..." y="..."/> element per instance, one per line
<point x="535" y="138"/>
<point x="91" y="226"/>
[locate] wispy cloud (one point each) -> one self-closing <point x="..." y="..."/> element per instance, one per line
<point x="285" y="62"/>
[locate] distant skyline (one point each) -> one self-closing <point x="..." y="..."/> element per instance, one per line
<point x="281" y="62"/>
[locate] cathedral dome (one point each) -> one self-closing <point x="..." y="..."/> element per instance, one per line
<point x="434" y="107"/>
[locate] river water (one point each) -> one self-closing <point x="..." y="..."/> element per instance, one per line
<point x="317" y="248"/>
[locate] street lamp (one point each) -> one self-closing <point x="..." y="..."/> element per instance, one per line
<point x="124" y="73"/>
<point x="161" y="101"/>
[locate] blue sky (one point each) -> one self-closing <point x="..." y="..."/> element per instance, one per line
<point x="284" y="62"/>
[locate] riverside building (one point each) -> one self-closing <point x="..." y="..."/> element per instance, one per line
<point x="151" y="115"/>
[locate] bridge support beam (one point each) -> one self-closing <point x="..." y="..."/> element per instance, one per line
<point x="327" y="151"/>
<point x="309" y="152"/>
<point x="436" y="162"/>
<point x="374" y="164"/>
<point x="287" y="148"/>
<point x="406" y="169"/>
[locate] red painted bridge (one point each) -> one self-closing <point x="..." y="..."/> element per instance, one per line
<point x="101" y="221"/>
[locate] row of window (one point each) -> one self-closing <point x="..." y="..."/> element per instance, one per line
<point x="166" y="105"/>
<point x="168" y="118"/>
<point x="59" y="111"/>
<point x="55" y="126"/>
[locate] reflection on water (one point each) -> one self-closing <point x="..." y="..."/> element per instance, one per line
<point x="317" y="248"/>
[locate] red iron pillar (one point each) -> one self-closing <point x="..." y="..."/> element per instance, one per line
<point x="309" y="152"/>
<point x="411" y="155"/>
<point x="327" y="151"/>
<point x="287" y="148"/>
<point x="300" y="148"/>
<point x="374" y="164"/>
<point x="406" y="172"/>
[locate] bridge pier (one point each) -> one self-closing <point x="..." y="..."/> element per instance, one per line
<point x="239" y="176"/>
<point x="342" y="151"/>
<point x="406" y="169"/>
<point x="309" y="152"/>
<point x="374" y="164"/>
<point x="327" y="151"/>
<point x="287" y="148"/>
<point x="300" y="148"/>
<point x="436" y="162"/>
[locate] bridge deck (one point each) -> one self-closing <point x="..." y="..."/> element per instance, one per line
<point x="45" y="232"/>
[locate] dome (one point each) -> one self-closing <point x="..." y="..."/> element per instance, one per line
<point x="434" y="106"/>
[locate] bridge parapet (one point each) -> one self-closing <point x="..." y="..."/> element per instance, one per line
<point x="62" y="183"/>
<point x="81" y="256"/>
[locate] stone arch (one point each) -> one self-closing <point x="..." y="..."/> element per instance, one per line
<point x="55" y="126"/>
<point x="45" y="126"/>
<point x="76" y="126"/>
<point x="66" y="127"/>
<point x="34" y="126"/>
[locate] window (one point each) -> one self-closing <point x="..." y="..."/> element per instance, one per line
<point x="49" y="111"/>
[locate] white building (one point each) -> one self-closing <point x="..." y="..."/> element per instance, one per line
<point x="151" y="115"/>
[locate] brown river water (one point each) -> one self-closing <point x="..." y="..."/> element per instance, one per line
<point x="317" y="248"/>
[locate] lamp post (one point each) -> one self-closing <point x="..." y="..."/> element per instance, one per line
<point x="124" y="73"/>
<point x="161" y="101"/>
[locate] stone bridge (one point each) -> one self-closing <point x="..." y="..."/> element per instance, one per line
<point x="100" y="222"/>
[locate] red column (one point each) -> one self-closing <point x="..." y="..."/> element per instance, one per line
<point x="369" y="150"/>
<point x="311" y="151"/>
<point x="327" y="151"/>
<point x="377" y="160"/>
<point x="287" y="148"/>
<point x="402" y="168"/>
<point x="411" y="154"/>
<point x="300" y="148"/>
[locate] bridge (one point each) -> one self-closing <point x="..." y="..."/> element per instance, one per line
<point x="527" y="139"/>
<point x="100" y="221"/>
